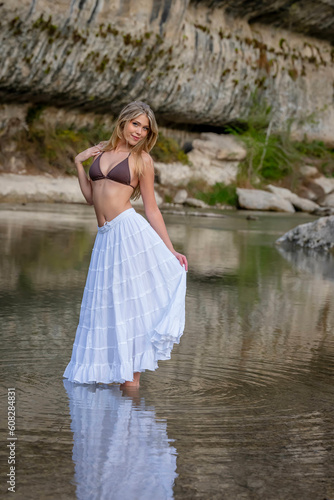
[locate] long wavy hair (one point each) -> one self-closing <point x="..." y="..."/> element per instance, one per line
<point x="130" y="112"/>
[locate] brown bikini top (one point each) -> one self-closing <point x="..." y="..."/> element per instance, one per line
<point x="119" y="173"/>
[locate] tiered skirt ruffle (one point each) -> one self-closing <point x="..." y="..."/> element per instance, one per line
<point x="133" y="306"/>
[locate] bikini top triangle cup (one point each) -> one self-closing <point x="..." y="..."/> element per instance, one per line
<point x="119" y="173"/>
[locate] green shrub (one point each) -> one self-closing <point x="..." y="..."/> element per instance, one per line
<point x="269" y="156"/>
<point x="266" y="157"/>
<point x="167" y="150"/>
<point x="313" y="148"/>
<point x="219" y="193"/>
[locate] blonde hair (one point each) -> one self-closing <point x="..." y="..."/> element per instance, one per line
<point x="130" y="112"/>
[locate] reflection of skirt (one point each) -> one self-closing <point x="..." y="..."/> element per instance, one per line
<point x="133" y="306"/>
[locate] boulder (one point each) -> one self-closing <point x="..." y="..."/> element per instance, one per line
<point x="328" y="201"/>
<point x="298" y="202"/>
<point x="215" y="158"/>
<point x="308" y="171"/>
<point x="139" y="202"/>
<point x="220" y="146"/>
<point x="193" y="202"/>
<point x="307" y="193"/>
<point x="17" y="164"/>
<point x="314" y="190"/>
<point x="316" y="235"/>
<point x="212" y="171"/>
<point x="176" y="174"/>
<point x="327" y="184"/>
<point x="45" y="188"/>
<point x="39" y="188"/>
<point x="256" y="199"/>
<point x="180" y="196"/>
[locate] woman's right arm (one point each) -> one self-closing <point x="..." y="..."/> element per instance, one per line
<point x="85" y="184"/>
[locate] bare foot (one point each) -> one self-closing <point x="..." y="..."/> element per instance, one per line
<point x="129" y="384"/>
<point x="134" y="383"/>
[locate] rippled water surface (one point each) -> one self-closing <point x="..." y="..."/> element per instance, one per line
<point x="243" y="410"/>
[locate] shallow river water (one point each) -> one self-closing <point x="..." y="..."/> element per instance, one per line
<point x="243" y="410"/>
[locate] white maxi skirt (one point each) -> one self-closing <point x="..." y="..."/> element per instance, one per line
<point x="133" y="306"/>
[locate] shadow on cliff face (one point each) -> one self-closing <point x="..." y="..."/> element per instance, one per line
<point x="301" y="16"/>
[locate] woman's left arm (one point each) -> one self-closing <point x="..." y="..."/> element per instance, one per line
<point x="152" y="211"/>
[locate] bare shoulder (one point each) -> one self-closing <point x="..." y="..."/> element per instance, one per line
<point x="147" y="160"/>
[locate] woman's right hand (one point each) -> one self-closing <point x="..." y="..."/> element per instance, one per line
<point x="88" y="153"/>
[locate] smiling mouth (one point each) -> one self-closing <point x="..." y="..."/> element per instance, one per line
<point x="135" y="138"/>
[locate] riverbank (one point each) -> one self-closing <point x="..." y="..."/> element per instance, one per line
<point x="247" y="167"/>
<point x="23" y="189"/>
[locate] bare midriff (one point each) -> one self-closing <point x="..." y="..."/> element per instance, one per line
<point x="110" y="198"/>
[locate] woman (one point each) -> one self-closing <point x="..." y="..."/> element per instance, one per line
<point x="133" y="306"/>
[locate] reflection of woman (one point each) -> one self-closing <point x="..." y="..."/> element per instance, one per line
<point x="133" y="306"/>
<point x="121" y="450"/>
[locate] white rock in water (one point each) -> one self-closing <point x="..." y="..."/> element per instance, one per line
<point x="325" y="183"/>
<point x="180" y="196"/>
<point x="299" y="203"/>
<point x="317" y="235"/>
<point x="256" y="199"/>
<point x="308" y="171"/>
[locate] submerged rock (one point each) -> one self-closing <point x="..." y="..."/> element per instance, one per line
<point x="317" y="235"/>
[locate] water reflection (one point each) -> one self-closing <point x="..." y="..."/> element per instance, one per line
<point x="121" y="450"/>
<point x="310" y="261"/>
<point x="247" y="394"/>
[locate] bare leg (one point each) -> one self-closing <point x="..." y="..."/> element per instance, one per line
<point x="135" y="383"/>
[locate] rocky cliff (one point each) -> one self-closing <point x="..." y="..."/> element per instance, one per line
<point x="195" y="62"/>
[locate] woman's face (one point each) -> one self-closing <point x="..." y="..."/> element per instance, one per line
<point x="136" y="129"/>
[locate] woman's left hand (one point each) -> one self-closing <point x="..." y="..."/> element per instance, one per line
<point x="181" y="258"/>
